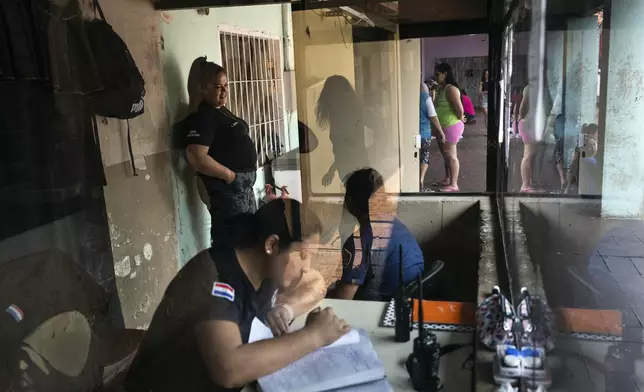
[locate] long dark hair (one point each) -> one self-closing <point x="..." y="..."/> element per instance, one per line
<point x="360" y="186"/>
<point x="449" y="79"/>
<point x="285" y="218"/>
<point x="336" y="99"/>
<point x="201" y="73"/>
<point x="483" y="76"/>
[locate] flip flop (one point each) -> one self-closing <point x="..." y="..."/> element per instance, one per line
<point x="450" y="189"/>
<point x="440" y="184"/>
<point x="528" y="189"/>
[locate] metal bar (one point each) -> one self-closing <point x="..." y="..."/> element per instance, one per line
<point x="495" y="149"/>
<point x="444" y="29"/>
<point x="269" y="95"/>
<point x="240" y="77"/>
<point x="245" y="84"/>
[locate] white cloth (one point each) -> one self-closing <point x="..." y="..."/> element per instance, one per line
<point x="431" y="110"/>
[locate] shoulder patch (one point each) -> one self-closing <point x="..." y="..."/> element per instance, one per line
<point x="223" y="290"/>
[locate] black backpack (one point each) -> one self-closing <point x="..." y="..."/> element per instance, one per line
<point x="123" y="86"/>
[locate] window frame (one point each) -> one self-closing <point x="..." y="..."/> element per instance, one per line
<point x="257" y="112"/>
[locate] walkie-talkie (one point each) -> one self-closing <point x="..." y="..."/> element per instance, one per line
<point x="403" y="308"/>
<point x="424" y="361"/>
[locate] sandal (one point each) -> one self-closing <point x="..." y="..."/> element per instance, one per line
<point x="450" y="189"/>
<point x="426" y="190"/>
<point x="528" y="189"/>
<point x="441" y="183"/>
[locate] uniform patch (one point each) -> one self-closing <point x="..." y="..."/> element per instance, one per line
<point x="16" y="312"/>
<point x="223" y="290"/>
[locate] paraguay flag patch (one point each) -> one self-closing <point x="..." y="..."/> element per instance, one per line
<point x="15" y="312"/>
<point x="223" y="290"/>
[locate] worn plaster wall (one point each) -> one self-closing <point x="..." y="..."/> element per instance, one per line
<point x="323" y="47"/>
<point x="623" y="176"/>
<point x="187" y="35"/>
<point x="140" y="210"/>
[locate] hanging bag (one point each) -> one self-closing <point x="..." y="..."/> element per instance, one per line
<point x="123" y="86"/>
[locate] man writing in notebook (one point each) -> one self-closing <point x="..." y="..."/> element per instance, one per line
<point x="371" y="257"/>
<point x="198" y="338"/>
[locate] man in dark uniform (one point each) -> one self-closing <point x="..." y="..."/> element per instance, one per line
<point x="198" y="338"/>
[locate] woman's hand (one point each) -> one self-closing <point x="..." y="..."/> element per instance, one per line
<point x="326" y="326"/>
<point x="279" y="318"/>
<point x="441" y="137"/>
<point x="231" y="177"/>
<point x="327" y="179"/>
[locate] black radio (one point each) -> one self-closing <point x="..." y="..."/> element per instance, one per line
<point x="423" y="363"/>
<point x="403" y="307"/>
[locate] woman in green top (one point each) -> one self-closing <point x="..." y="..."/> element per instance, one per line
<point x="449" y="109"/>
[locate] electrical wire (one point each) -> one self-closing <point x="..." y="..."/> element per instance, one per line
<point x="342" y="33"/>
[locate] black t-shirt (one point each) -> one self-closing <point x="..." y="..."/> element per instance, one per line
<point x="226" y="135"/>
<point x="169" y="358"/>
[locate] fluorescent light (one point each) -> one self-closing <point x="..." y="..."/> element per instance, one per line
<point x="359" y="15"/>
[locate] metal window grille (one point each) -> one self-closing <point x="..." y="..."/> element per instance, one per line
<point x="256" y="88"/>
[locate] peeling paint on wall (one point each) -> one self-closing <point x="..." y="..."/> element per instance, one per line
<point x="123" y="268"/>
<point x="147" y="251"/>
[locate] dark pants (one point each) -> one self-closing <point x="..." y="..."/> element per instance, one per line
<point x="229" y="200"/>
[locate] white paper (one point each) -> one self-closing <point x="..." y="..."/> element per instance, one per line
<point x="259" y="331"/>
<point x="328" y="369"/>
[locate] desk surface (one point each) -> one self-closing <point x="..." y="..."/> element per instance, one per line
<point x="366" y="315"/>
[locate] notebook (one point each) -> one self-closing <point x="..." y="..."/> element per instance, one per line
<point x="350" y="364"/>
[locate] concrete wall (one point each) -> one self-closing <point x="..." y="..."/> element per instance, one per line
<point x="475" y="45"/>
<point x="186" y="36"/>
<point x="140" y="210"/>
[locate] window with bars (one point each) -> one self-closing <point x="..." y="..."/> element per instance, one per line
<point x="255" y="88"/>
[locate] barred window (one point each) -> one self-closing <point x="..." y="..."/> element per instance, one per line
<point x="256" y="88"/>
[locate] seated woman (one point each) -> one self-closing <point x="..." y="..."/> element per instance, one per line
<point x="371" y="257"/>
<point x="198" y="338"/>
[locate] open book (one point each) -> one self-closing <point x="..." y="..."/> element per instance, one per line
<point x="350" y="364"/>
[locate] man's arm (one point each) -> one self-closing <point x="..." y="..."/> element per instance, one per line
<point x="304" y="294"/>
<point x="232" y="364"/>
<point x="343" y="291"/>
<point x="203" y="163"/>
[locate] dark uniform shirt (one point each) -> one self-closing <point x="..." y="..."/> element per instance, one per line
<point x="371" y="259"/>
<point x="211" y="286"/>
<point x="227" y="137"/>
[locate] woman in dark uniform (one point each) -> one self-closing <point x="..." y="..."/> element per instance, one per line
<point x="198" y="338"/>
<point x="219" y="148"/>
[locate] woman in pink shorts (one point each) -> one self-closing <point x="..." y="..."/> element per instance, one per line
<point x="530" y="145"/>
<point x="449" y="110"/>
